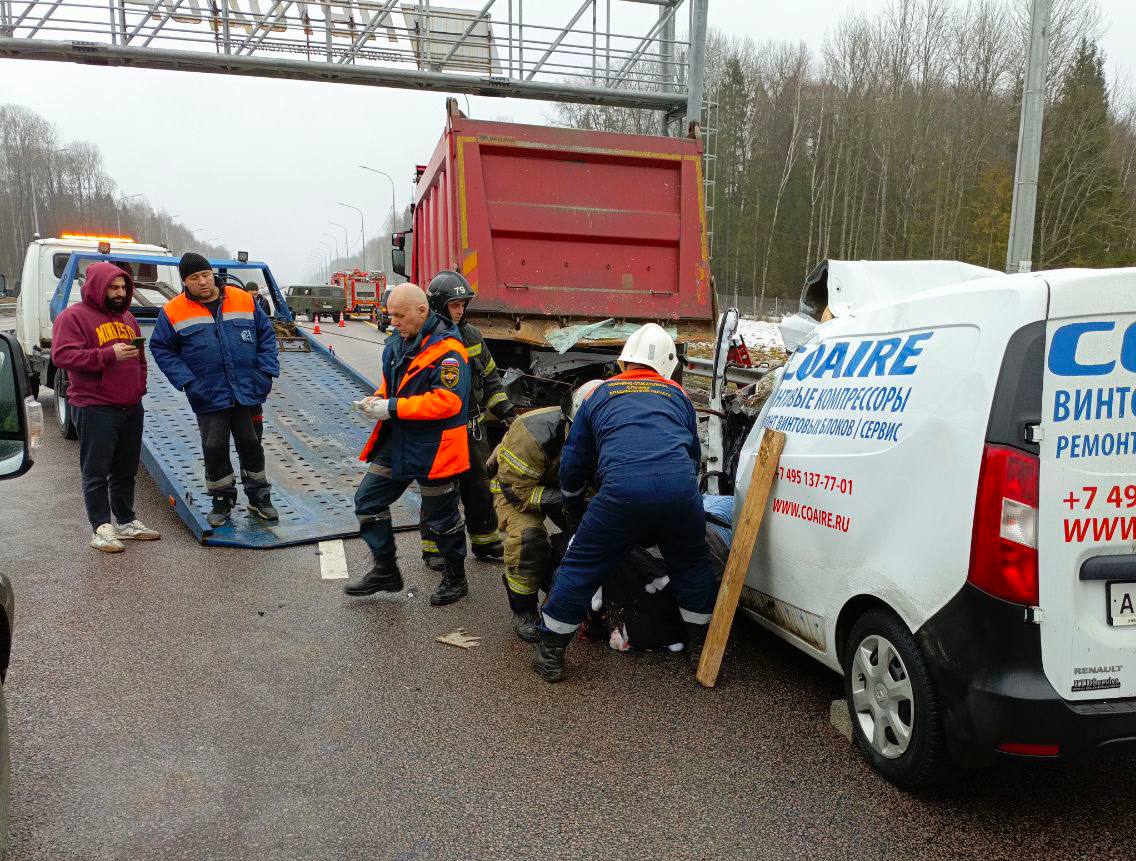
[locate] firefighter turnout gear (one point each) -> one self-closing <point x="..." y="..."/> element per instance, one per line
<point x="487" y="398"/>
<point x="648" y="494"/>
<point x="426" y="381"/>
<point x="525" y="492"/>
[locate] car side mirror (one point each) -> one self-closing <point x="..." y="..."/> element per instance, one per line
<point x="21" y="417"/>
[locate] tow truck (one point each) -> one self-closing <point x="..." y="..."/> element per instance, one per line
<point x="311" y="438"/>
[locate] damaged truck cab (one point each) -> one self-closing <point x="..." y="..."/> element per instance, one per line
<point x="953" y="521"/>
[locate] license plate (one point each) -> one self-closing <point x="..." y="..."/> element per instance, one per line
<point x="1122" y="603"/>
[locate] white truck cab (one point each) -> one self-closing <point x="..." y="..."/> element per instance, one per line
<point x="44" y="264"/>
<point x="953" y="523"/>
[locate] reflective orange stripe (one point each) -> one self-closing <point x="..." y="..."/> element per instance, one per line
<point x="453" y="453"/>
<point x="435" y="404"/>
<point x="427" y="356"/>
<point x="182" y="307"/>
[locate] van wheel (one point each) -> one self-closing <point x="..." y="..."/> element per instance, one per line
<point x="311" y="316"/>
<point x="63" y="414"/>
<point x="896" y="717"/>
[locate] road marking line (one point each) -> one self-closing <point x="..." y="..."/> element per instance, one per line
<point x="333" y="560"/>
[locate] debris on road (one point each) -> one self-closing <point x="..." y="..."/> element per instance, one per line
<point x="460" y="639"/>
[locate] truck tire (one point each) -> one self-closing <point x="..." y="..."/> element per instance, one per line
<point x="64" y="416"/>
<point x="897" y="719"/>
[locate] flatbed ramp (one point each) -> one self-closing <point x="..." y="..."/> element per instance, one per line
<point x="312" y="440"/>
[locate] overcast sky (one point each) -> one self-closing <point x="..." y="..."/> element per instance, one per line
<point x="282" y="153"/>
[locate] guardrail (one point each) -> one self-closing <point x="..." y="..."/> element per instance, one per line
<point x="734" y="374"/>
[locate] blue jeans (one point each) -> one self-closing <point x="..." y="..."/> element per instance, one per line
<point x="627" y="512"/>
<point x="378" y="491"/>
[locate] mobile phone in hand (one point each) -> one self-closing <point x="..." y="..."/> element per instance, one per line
<point x="138" y="343"/>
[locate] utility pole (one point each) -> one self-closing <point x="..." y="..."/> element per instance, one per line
<point x="335" y="239"/>
<point x="1019" y="249"/>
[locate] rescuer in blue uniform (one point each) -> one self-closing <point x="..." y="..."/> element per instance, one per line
<point x="638" y="430"/>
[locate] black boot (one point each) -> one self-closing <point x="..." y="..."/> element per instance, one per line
<point x="222" y="506"/>
<point x="453" y="585"/>
<point x="549" y="658"/>
<point x="695" y="640"/>
<point x="383" y="577"/>
<point x="435" y="563"/>
<point x="526" y="619"/>
<point x="526" y="625"/>
<point x="494" y="552"/>
<point x="261" y="506"/>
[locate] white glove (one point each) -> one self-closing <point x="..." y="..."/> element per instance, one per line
<point x="658" y="584"/>
<point x="597" y="600"/>
<point x="377" y="409"/>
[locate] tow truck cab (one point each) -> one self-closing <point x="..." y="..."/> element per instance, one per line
<point x="953" y="522"/>
<point x="45" y="263"/>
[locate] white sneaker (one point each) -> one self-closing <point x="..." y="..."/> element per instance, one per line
<point x="136" y="530"/>
<point x="105" y="541"/>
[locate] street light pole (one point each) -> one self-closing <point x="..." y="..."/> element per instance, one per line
<point x="393" y="204"/>
<point x="334" y="239"/>
<point x="362" y="233"/>
<point x="118" y="212"/>
<point x="346" y="241"/>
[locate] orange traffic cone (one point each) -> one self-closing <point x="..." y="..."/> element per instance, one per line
<point x="316" y="330"/>
<point x="342" y="325"/>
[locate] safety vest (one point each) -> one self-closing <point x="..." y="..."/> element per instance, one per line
<point x="429" y="389"/>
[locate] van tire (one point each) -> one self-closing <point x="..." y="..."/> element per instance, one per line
<point x="925" y="760"/>
<point x="64" y="414"/>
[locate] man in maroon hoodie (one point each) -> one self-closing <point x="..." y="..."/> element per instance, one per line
<point x="92" y="341"/>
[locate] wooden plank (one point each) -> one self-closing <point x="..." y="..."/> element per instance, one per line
<point x="741" y="550"/>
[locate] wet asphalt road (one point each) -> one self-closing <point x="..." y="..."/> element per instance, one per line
<point x="178" y="702"/>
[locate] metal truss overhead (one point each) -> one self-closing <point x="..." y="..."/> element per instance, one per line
<point x="591" y="52"/>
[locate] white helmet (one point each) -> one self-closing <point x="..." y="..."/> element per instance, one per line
<point x="650" y="345"/>
<point x="581" y="395"/>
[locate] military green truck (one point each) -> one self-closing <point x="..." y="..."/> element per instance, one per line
<point x="326" y="300"/>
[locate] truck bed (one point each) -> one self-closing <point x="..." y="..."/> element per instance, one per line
<point x="311" y="443"/>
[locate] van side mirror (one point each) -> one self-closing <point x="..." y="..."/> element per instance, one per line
<point x="21" y="417"/>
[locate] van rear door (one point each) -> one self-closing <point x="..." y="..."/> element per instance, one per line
<point x="1087" y="486"/>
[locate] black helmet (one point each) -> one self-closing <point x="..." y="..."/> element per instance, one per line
<point x="446" y="287"/>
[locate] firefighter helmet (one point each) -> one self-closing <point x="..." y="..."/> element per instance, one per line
<point x="446" y="287"/>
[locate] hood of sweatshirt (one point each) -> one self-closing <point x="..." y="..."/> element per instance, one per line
<point x="99" y="276"/>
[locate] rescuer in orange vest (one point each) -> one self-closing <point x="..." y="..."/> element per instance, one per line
<point x="421" y="409"/>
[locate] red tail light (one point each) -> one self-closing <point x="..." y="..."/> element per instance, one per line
<point x="1003" y="552"/>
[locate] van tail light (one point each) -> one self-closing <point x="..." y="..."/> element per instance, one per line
<point x="1003" y="550"/>
<point x="1022" y="748"/>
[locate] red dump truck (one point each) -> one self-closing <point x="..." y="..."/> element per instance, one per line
<point x="571" y="239"/>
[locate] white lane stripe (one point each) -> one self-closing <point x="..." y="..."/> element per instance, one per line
<point x="333" y="561"/>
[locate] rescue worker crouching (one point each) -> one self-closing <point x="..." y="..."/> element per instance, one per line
<point x="215" y="344"/>
<point x="420" y="435"/>
<point x="526" y="490"/>
<point x="647" y="494"/>
<point x="449" y="295"/>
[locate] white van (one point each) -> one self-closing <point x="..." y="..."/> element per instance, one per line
<point x="953" y="524"/>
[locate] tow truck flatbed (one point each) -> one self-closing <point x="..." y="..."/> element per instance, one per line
<point x="311" y="438"/>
